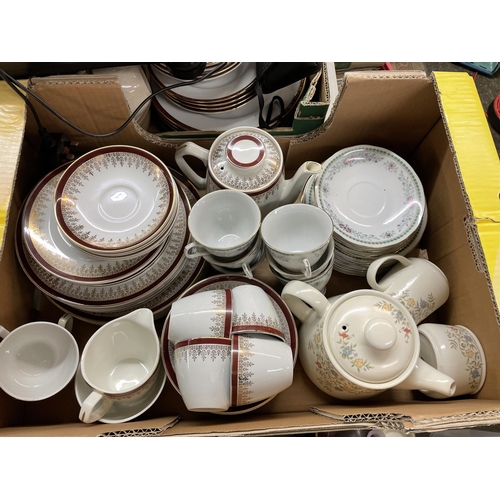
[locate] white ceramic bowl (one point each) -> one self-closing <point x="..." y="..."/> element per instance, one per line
<point x="37" y="360"/>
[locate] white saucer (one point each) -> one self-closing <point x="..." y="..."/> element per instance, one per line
<point x="122" y="411"/>
<point x="373" y="196"/>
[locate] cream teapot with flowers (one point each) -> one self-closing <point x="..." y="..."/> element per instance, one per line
<point x="357" y="345"/>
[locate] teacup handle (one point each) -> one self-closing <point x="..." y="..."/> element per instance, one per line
<point x="247" y="271"/>
<point x="194" y="250"/>
<point x="371" y="274"/>
<point x="308" y="270"/>
<point x="304" y="300"/>
<point x="66" y="321"/>
<point x="90" y="411"/>
<point x="192" y="149"/>
<point x="3" y="332"/>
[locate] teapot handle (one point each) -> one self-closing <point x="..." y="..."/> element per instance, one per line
<point x="371" y="274"/>
<point x="192" y="149"/>
<point x="303" y="300"/>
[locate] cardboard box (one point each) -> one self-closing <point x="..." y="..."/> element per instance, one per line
<point x="436" y="124"/>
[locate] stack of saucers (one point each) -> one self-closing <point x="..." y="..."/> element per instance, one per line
<point x="376" y="202"/>
<point x="77" y="243"/>
<point x="224" y="100"/>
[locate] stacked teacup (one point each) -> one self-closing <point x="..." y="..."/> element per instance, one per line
<point x="225" y="228"/>
<point x="299" y="245"/>
<point x="229" y="350"/>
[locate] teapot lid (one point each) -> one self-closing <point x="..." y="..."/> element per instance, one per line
<point x="372" y="338"/>
<point x="246" y="159"/>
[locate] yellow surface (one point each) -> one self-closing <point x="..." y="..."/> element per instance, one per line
<point x="474" y="146"/>
<point x="12" y="121"/>
<point x="478" y="160"/>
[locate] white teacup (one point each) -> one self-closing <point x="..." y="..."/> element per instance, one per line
<point x="223" y="223"/>
<point x="120" y="362"/>
<point x="297" y="236"/>
<point x="261" y="367"/>
<point x="244" y="263"/>
<point x="455" y="351"/>
<point x="416" y="283"/>
<point x="254" y="312"/>
<point x="204" y="314"/>
<point x="37" y="360"/>
<point x="319" y="281"/>
<point x="323" y="263"/>
<point x="202" y="368"/>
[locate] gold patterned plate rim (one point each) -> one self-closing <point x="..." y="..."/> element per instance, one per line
<point x="38" y="222"/>
<point x="83" y="169"/>
<point x="93" y="294"/>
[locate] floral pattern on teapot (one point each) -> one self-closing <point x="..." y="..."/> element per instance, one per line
<point x="348" y="350"/>
<point x="461" y="340"/>
<point x="398" y="317"/>
<point x="328" y="377"/>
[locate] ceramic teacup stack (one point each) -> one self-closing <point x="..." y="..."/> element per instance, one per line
<point x="225" y="227"/>
<point x="299" y="244"/>
<point x="229" y="350"/>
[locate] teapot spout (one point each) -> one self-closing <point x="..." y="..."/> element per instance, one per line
<point x="426" y="378"/>
<point x="293" y="186"/>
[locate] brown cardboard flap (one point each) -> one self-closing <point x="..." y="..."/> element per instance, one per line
<point x="154" y="427"/>
<point x="417" y="415"/>
<point x="253" y="425"/>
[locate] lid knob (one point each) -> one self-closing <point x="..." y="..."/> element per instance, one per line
<point x="380" y="334"/>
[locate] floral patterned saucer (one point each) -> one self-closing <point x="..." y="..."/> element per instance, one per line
<point x="373" y="196"/>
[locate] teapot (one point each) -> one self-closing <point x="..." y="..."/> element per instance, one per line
<point x="247" y="159"/>
<point x="357" y="345"/>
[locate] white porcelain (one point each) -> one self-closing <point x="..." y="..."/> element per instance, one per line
<point x="416" y="283"/>
<point x="223" y="223"/>
<point x="254" y="312"/>
<point x="182" y="119"/>
<point x="57" y="254"/>
<point x="230" y="282"/>
<point x="37" y="360"/>
<point x="246" y="159"/>
<point x="325" y="261"/>
<point x="373" y="196"/>
<point x="127" y="293"/>
<point x="360" y="344"/>
<point x="206" y="314"/>
<point x="456" y="351"/>
<point x="123" y="411"/>
<point x="115" y="198"/>
<point x="120" y="362"/>
<point x="297" y="236"/>
<point x="244" y="265"/>
<point x="203" y="370"/>
<point x="261" y="367"/>
<point x="319" y="281"/>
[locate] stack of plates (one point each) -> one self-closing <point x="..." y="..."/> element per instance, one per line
<point x="221" y="102"/>
<point x="376" y="202"/>
<point x="97" y="287"/>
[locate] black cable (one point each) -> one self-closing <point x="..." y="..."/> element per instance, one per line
<point x="16" y="85"/>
